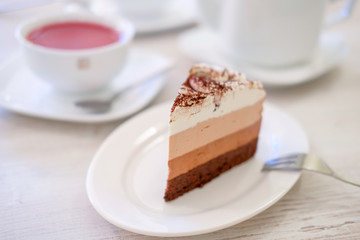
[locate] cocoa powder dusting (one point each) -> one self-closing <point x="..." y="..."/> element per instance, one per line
<point x="196" y="88"/>
<point x="206" y="81"/>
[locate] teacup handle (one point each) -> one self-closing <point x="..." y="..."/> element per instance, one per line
<point x="340" y="15"/>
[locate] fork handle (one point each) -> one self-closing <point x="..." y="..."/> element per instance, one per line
<point x="346" y="180"/>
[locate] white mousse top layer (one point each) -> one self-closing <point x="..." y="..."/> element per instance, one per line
<point x="212" y="92"/>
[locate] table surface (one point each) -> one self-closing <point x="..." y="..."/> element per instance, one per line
<point x="43" y="163"/>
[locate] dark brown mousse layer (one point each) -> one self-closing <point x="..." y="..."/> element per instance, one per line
<point x="204" y="173"/>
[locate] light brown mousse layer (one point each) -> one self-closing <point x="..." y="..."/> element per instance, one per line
<point x="215" y="128"/>
<point x="201" y="155"/>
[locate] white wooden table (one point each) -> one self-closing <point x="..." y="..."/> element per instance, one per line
<point x="43" y="163"/>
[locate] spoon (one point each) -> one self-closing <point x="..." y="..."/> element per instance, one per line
<point x="99" y="105"/>
<point x="104" y="105"/>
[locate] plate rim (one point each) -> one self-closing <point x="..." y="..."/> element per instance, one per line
<point x="103" y="214"/>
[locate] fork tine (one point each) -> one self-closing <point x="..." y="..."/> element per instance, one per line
<point x="288" y="162"/>
<point x="284" y="159"/>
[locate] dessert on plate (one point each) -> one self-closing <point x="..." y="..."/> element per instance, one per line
<point x="214" y="126"/>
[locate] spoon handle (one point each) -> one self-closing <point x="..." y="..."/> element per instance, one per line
<point x="143" y="80"/>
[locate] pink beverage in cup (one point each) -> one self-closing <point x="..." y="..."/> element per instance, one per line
<point x="74" y="35"/>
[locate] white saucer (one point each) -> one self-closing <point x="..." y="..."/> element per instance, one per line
<point x="23" y="92"/>
<point x="201" y="45"/>
<point x="178" y="13"/>
<point x="181" y="13"/>
<point x="127" y="177"/>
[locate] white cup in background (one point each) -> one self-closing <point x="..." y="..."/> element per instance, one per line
<point x="271" y="33"/>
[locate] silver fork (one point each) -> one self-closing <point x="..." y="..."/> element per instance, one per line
<point x="296" y="162"/>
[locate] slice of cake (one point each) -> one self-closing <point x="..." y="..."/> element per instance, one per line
<point x="214" y="125"/>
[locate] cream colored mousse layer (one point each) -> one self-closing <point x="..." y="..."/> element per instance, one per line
<point x="208" y="120"/>
<point x="240" y="93"/>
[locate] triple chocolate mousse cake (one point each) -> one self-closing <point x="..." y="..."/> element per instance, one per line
<point x="214" y="125"/>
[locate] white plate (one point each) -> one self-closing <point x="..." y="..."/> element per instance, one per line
<point x="178" y="13"/>
<point x="201" y="45"/>
<point x="127" y="177"/>
<point x="181" y="13"/>
<point x="23" y="92"/>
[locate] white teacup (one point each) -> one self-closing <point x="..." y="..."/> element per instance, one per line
<point x="79" y="70"/>
<point x="272" y="33"/>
